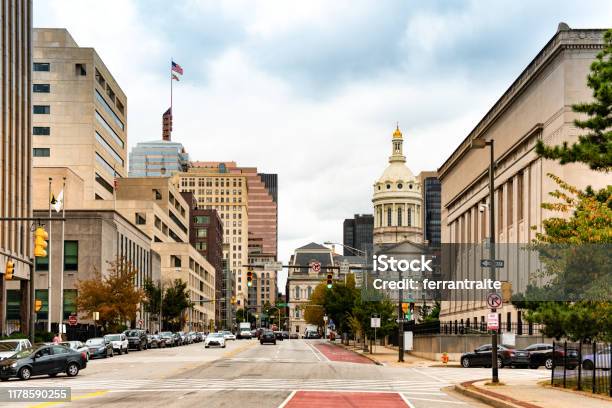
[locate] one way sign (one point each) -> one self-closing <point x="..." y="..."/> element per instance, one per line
<point x="487" y="263"/>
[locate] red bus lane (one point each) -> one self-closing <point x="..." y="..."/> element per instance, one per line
<point x="323" y="399"/>
<point x="336" y="353"/>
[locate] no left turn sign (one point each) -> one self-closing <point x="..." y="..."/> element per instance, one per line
<point x="494" y="301"/>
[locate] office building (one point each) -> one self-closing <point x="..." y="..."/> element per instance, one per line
<point x="397" y="200"/>
<point x="264" y="288"/>
<point x="536" y="106"/>
<point x="15" y="159"/>
<point x="161" y="158"/>
<point x="79" y="113"/>
<point x="431" y="192"/>
<point x="357" y="233"/>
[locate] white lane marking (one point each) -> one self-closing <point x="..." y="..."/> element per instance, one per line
<point x="313" y="350"/>
<point x="286" y="401"/>
<point x="433" y="377"/>
<point x="438" y="400"/>
<point x="403" y="397"/>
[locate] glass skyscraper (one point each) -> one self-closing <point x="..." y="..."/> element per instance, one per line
<point x="156" y="159"/>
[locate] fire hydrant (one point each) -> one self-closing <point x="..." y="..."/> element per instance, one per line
<point x="444" y="359"/>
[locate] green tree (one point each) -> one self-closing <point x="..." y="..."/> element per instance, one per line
<point x="152" y="298"/>
<point x="339" y="301"/>
<point x="595" y="147"/>
<point x="385" y="309"/>
<point x="176" y="302"/>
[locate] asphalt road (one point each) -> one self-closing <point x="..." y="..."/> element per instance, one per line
<point x="292" y="373"/>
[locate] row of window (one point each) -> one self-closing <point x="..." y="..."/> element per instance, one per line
<point x="208" y="182"/>
<point x="71" y="257"/>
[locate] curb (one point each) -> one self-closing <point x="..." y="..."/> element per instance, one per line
<point x="489" y="397"/>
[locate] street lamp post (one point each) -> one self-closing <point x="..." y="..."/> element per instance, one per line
<point x="481" y="144"/>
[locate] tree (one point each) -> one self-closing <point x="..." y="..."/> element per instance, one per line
<point x="384" y="308"/>
<point x="314" y="310"/>
<point x="339" y="301"/>
<point x="176" y="302"/>
<point x="595" y="147"/>
<point x="152" y="298"/>
<point x="113" y="295"/>
<point x="429" y="313"/>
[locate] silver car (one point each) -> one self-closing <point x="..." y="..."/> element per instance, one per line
<point x="76" y="346"/>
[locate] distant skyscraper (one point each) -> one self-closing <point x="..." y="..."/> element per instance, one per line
<point x="431" y="203"/>
<point x="357" y="233"/>
<point x="159" y="158"/>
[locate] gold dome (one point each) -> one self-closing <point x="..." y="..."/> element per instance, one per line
<point x="397" y="134"/>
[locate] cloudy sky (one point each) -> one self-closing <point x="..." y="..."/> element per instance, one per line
<point x="312" y="90"/>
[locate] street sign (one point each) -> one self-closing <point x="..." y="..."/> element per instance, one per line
<point x="273" y="266"/>
<point x="316" y="266"/>
<point x="403" y="320"/>
<point x="72" y="320"/>
<point x="492" y="321"/>
<point x="408" y="340"/>
<point x="494" y="301"/>
<point x="345" y="267"/>
<point x="487" y="263"/>
<point x="281" y="305"/>
<point x="375" y="322"/>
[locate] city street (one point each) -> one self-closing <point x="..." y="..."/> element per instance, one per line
<point x="292" y="373"/>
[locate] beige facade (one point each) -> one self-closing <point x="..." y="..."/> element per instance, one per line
<point x="15" y="150"/>
<point x="79" y="113"/>
<point x="213" y="188"/>
<point x="537" y="106"/>
<point x="264" y="289"/>
<point x="397" y="200"/>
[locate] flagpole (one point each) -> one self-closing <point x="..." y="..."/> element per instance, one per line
<point x="61" y="299"/>
<point x="49" y="285"/>
<point x="171" y="87"/>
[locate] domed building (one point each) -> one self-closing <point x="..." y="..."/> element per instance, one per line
<point x="397" y="200"/>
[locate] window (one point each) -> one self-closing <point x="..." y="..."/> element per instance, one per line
<point x="100" y="78"/>
<point x="500" y="210"/>
<point x="42" y="67"/>
<point x="141" y="219"/>
<point x="41" y="88"/>
<point x="41" y="130"/>
<point x="201" y="219"/>
<point x="510" y="200"/>
<point x="42" y="109"/>
<point x="519" y="196"/>
<point x="70" y="297"/>
<point x="110" y="130"/>
<point x="200" y="246"/>
<point x="176" y="261"/>
<point x="109" y="169"/>
<point x="71" y="255"/>
<point x="109" y="110"/>
<point x="202" y="232"/>
<point x="43" y="296"/>
<point x="156" y="194"/>
<point x="399" y="217"/>
<point x="13" y="304"/>
<point x="409" y="217"/>
<point x="41" y="152"/>
<point x="107" y="186"/>
<point x="109" y="148"/>
<point x="388" y="217"/>
<point x="80" y="69"/>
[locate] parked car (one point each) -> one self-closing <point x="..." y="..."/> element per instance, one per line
<point x="137" y="339"/>
<point x="119" y="342"/>
<point x="168" y="338"/>
<point x="155" y="341"/>
<point x="100" y="347"/>
<point x="10" y="347"/>
<point x="178" y="339"/>
<point x="43" y="360"/>
<point x="76" y="346"/>
<point x="278" y="335"/>
<point x="228" y="335"/>
<point x="481" y="357"/>
<point x="215" y="339"/>
<point x="267" y="336"/>
<point x="294" y="336"/>
<point x="602" y="360"/>
<point x="285" y="334"/>
<point x="541" y="354"/>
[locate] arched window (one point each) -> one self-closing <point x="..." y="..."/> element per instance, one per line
<point x="399" y="217"/>
<point x="380" y="223"/>
<point x="297" y="292"/>
<point x="410" y="217"/>
<point x="388" y="217"/>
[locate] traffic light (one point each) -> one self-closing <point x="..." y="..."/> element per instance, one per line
<point x="506" y="289"/>
<point x="329" y="280"/>
<point x="40" y="242"/>
<point x="10" y="267"/>
<point x="250" y="278"/>
<point x="38" y="305"/>
<point x="233" y="300"/>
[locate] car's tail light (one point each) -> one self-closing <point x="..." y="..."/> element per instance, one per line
<point x="83" y="355"/>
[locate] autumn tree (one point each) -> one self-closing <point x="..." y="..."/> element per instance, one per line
<point x="113" y="295"/>
<point x="595" y="147"/>
<point x="314" y="310"/>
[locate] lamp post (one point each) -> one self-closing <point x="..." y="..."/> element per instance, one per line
<point x="481" y="144"/>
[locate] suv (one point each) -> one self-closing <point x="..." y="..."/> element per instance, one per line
<point x="119" y="342"/>
<point x="267" y="336"/>
<point x="137" y="339"/>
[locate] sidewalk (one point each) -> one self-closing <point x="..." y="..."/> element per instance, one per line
<point x="388" y="356"/>
<point x="528" y="394"/>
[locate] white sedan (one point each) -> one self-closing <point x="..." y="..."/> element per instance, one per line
<point x="229" y="335"/>
<point x="215" y="339"/>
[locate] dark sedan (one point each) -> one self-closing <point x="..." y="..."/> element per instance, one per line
<point x="43" y="360"/>
<point x="279" y="335"/>
<point x="541" y="354"/>
<point x="267" y="336"/>
<point x="137" y="339"/>
<point x="481" y="357"/>
<point x="100" y="347"/>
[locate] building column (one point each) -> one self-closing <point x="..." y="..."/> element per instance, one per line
<point x="24" y="307"/>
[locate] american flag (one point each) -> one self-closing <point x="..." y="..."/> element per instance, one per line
<point x="177" y="68"/>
